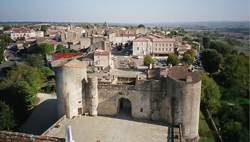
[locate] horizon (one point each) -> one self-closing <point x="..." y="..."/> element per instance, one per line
<point x="113" y="11"/>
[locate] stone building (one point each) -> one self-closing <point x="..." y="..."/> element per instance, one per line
<point x="174" y="98"/>
<point x="158" y="46"/>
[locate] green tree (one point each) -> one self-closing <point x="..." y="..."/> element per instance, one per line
<point x="46" y="48"/>
<point x="221" y="46"/>
<point x="235" y="74"/>
<point x="206" y="42"/>
<point x="6" y="117"/>
<point x="233" y="123"/>
<point x="1" y="54"/>
<point x="5" y="38"/>
<point x="27" y="80"/>
<point x="173" y="59"/>
<point x="6" y="27"/>
<point x="211" y="60"/>
<point x="148" y="60"/>
<point x="35" y="60"/>
<point x="141" y="26"/>
<point x="188" y="59"/>
<point x="46" y="72"/>
<point x="210" y="94"/>
<point x="44" y="28"/>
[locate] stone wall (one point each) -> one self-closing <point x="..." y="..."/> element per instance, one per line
<point x="185" y="106"/>
<point x="69" y="80"/>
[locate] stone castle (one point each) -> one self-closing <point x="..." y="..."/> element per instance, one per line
<point x="173" y="98"/>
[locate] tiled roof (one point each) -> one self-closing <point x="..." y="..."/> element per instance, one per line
<point x="101" y="52"/>
<point x="21" y="30"/>
<point x="21" y="137"/>
<point x="153" y="38"/>
<point x="142" y="39"/>
<point x="59" y="56"/>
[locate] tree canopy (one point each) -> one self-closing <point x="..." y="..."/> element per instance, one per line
<point x="221" y="46"/>
<point x="6" y="117"/>
<point x="172" y="59"/>
<point x="211" y="60"/>
<point x="148" y="60"/>
<point x="46" y="48"/>
<point x="141" y="26"/>
<point x="44" y="28"/>
<point x="210" y="94"/>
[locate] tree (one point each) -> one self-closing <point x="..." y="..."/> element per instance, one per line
<point x="5" y="39"/>
<point x="211" y="60"/>
<point x="27" y="81"/>
<point x="46" y="48"/>
<point x="60" y="48"/>
<point x="141" y="26"/>
<point x="148" y="60"/>
<point x="221" y="46"/>
<point x="205" y="42"/>
<point x="44" y="28"/>
<point x="210" y="94"/>
<point x="46" y="72"/>
<point x="173" y="59"/>
<point x="6" y="27"/>
<point x="1" y="54"/>
<point x="6" y="117"/>
<point x="233" y="123"/>
<point x="188" y="59"/>
<point x="234" y="77"/>
<point x="35" y="60"/>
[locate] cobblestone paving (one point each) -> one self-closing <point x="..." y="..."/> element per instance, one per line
<point x="106" y="129"/>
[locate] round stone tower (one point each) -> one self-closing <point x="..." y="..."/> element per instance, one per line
<point x="184" y="87"/>
<point x="69" y="78"/>
<point x="93" y="95"/>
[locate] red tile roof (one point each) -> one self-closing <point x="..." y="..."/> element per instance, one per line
<point x="58" y="56"/>
<point x="21" y="137"/>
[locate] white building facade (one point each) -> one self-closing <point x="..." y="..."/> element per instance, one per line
<point x="152" y="45"/>
<point x="17" y="33"/>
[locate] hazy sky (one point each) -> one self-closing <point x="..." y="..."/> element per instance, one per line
<point x="129" y="11"/>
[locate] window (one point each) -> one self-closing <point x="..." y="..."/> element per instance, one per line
<point x="141" y="110"/>
<point x="79" y="111"/>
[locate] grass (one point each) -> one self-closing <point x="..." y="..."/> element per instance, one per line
<point x="206" y="139"/>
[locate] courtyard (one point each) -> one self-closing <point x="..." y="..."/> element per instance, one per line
<point x="109" y="129"/>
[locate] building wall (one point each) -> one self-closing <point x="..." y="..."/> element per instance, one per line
<point x="139" y="96"/>
<point x="102" y="61"/>
<point x="85" y="42"/>
<point x="142" y="48"/>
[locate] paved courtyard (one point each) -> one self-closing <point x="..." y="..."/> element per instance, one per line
<point x="106" y="129"/>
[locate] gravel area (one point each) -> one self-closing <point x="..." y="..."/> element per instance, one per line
<point x="107" y="129"/>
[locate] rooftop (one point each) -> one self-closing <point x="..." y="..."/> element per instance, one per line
<point x="21" y="137"/>
<point x="59" y="56"/>
<point x="107" y="129"/>
<point x="182" y="73"/>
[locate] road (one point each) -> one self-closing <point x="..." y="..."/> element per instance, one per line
<point x="43" y="115"/>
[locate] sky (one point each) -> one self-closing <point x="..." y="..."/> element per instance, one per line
<point x="124" y="11"/>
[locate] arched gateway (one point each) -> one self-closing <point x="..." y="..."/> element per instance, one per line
<point x="124" y="107"/>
